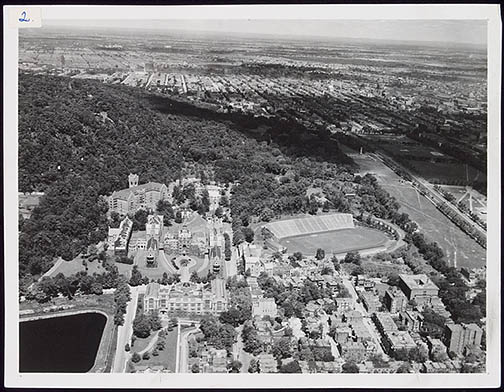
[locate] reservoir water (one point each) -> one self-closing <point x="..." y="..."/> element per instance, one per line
<point x="66" y="344"/>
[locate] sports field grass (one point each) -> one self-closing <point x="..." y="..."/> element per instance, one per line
<point x="339" y="241"/>
<point x="460" y="249"/>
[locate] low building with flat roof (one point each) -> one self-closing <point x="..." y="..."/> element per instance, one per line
<point x="418" y="287"/>
<point x="398" y="340"/>
<point x="384" y="322"/>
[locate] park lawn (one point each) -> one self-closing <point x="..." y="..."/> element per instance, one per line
<point x="68" y="268"/>
<point x="141" y="343"/>
<point x="166" y="357"/>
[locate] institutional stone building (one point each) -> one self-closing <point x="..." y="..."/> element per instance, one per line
<point x="198" y="298"/>
<point x="418" y="288"/>
<point x="136" y="197"/>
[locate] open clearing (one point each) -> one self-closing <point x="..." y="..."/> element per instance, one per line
<point x="460" y="249"/>
<point x="339" y="241"/>
<point x="71" y="267"/>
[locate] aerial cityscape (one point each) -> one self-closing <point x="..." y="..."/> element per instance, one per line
<point x="202" y="202"/>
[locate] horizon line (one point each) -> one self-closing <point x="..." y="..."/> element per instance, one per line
<point x="298" y="37"/>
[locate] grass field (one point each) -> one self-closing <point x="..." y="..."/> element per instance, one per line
<point x="460" y="249"/>
<point x="167" y="356"/>
<point x="451" y="172"/>
<point x="339" y="241"/>
<point x="68" y="268"/>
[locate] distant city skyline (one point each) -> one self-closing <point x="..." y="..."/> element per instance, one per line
<point x="446" y="31"/>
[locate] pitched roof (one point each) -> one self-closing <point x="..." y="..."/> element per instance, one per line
<point x="124" y="194"/>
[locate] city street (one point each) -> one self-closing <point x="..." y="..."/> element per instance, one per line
<point x="183" y="350"/>
<point x="366" y="317"/>
<point x="125" y="331"/>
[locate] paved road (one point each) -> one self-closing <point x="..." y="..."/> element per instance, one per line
<point x="183" y="348"/>
<point x="125" y="331"/>
<point x="434" y="195"/>
<point x="53" y="268"/>
<point x="151" y="344"/>
<point x="167" y="263"/>
<point x="366" y="319"/>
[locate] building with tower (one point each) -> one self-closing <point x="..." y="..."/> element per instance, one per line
<point x="137" y="197"/>
<point x="198" y="298"/>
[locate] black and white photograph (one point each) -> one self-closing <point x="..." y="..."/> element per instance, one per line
<point x="266" y="191"/>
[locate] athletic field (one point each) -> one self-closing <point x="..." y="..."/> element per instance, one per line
<point x="460" y="249"/>
<point x="338" y="241"/>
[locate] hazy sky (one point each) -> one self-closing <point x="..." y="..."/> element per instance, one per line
<point x="460" y="31"/>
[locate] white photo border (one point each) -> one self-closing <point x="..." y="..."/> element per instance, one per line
<point x="491" y="378"/>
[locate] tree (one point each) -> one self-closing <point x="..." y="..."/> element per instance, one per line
<point x="115" y="219"/>
<point x="320" y="255"/>
<point x="140" y="219"/>
<point x="282" y="348"/>
<point x="173" y="321"/>
<point x="224" y="202"/>
<point x="127" y="347"/>
<point x="235" y="366"/>
<point x="219" y="212"/>
<point x="178" y="217"/>
<point x="326" y="270"/>
<point x="48" y="286"/>
<point x="155" y="321"/>
<point x="141" y="326"/>
<point x="350" y="367"/>
<point x="249" y="234"/>
<point x="165" y="209"/>
<point x="195" y="368"/>
<point x="404" y="368"/>
<point x="136" y="357"/>
<point x="97" y="288"/>
<point x="136" y="277"/>
<point x="297" y="256"/>
<point x="232" y="316"/>
<point x="291" y="367"/>
<point x="253" y="366"/>
<point x="160" y="345"/>
<point x="352" y="257"/>
<point x="119" y="318"/>
<point x="146" y="355"/>
<point x="195" y="277"/>
<point x="378" y="361"/>
<point x="358" y="270"/>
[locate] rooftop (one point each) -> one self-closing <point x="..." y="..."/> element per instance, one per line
<point x="420" y="281"/>
<point x="125" y="193"/>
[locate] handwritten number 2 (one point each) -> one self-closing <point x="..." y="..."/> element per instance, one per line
<point x="23" y="17"/>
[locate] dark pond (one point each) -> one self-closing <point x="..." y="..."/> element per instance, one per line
<point x="66" y="344"/>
